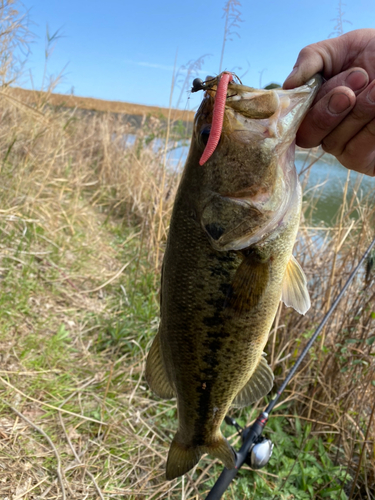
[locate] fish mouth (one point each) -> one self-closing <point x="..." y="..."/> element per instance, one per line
<point x="252" y="113"/>
<point x="276" y="113"/>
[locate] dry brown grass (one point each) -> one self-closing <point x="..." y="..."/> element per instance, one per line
<point x="68" y="187"/>
<point x="89" y="103"/>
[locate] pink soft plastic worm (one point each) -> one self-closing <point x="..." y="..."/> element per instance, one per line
<point x="217" y="117"/>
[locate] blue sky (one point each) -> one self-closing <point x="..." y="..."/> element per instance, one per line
<point x="126" y="50"/>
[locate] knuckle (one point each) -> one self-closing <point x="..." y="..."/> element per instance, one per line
<point x="359" y="153"/>
<point x="349" y="157"/>
<point x="332" y="145"/>
<point x="370" y="129"/>
<point x="359" y="113"/>
<point x="357" y="164"/>
<point x="319" y="123"/>
<point x="306" y="51"/>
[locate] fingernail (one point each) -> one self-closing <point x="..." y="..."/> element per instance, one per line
<point x="356" y="80"/>
<point x="371" y="95"/>
<point x="338" y="103"/>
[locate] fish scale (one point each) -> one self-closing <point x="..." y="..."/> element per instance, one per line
<point x="227" y="264"/>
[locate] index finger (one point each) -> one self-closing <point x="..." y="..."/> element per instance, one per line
<point x="355" y="79"/>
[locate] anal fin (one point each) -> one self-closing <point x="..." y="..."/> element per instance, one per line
<point x="222" y="450"/>
<point x="156" y="374"/>
<point x="259" y="384"/>
<point x="294" y="292"/>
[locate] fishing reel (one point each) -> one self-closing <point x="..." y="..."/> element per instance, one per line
<point x="261" y="450"/>
<point x="260" y="453"/>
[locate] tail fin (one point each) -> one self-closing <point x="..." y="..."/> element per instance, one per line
<point x="182" y="458"/>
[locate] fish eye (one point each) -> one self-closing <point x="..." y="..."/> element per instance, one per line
<point x="205" y="134"/>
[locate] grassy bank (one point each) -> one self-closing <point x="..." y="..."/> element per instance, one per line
<point x="83" y="227"/>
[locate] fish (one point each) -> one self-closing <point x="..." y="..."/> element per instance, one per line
<point x="228" y="262"/>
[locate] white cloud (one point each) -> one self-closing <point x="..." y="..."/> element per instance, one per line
<point x="160" y="66"/>
<point x="157" y="66"/>
<point x="150" y="65"/>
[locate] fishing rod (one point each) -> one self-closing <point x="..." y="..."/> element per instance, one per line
<point x="256" y="450"/>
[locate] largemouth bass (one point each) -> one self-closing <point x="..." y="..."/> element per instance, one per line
<point x="227" y="264"/>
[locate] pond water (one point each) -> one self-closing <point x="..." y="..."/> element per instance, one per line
<point x="326" y="180"/>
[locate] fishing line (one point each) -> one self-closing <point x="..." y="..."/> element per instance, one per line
<point x="255" y="449"/>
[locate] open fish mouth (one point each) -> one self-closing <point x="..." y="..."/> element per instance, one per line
<point x="249" y="113"/>
<point x="275" y="113"/>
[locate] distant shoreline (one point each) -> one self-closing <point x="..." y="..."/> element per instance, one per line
<point x="91" y="104"/>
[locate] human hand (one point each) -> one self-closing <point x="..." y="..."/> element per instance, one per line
<point x="342" y="118"/>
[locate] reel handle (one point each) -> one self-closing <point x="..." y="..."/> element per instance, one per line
<point x="250" y="435"/>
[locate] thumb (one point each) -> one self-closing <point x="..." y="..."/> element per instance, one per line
<point x="309" y="62"/>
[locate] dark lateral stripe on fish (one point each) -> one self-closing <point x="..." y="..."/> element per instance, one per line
<point x="215" y="320"/>
<point x="219" y="271"/>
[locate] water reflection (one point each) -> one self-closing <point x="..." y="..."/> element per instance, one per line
<point x="324" y="186"/>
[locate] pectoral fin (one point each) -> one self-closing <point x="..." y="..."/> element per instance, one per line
<point x="249" y="284"/>
<point x="156" y="374"/>
<point x="260" y="384"/>
<point x="294" y="292"/>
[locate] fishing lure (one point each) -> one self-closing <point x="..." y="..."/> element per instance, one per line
<point x="217" y="117"/>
